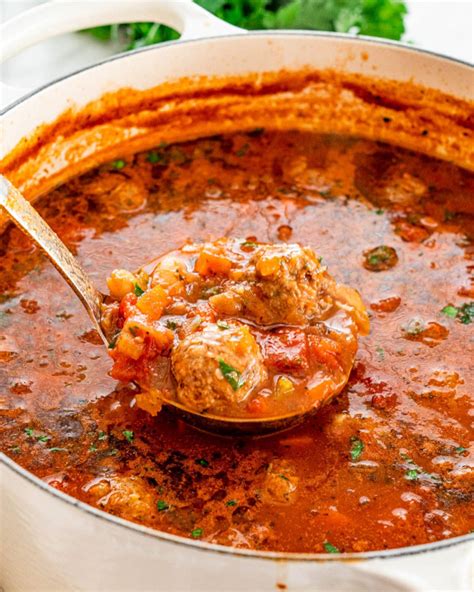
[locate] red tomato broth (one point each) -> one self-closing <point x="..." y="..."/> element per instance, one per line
<point x="387" y="464"/>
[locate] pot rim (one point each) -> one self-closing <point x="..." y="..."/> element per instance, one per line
<point x="184" y="541"/>
<point x="245" y="34"/>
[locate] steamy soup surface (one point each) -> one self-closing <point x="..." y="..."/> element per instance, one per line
<point x="388" y="463"/>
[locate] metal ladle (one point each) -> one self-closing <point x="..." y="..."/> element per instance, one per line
<point x="24" y="215"/>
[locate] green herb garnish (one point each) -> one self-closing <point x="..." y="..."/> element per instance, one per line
<point x="196" y="533"/>
<point x="380" y="352"/>
<point x="243" y="150"/>
<point x="118" y="164"/>
<point x="380" y="258"/>
<point x="128" y="435"/>
<point x="223" y="325"/>
<point x="356" y="448"/>
<point x="30" y="432"/>
<point x="113" y="343"/>
<point x="233" y="376"/>
<point x="412" y="474"/>
<point x="171" y="325"/>
<point x="102" y="436"/>
<point x="137" y="290"/>
<point x="154" y="157"/>
<point x="464" y="313"/>
<point x="231" y="503"/>
<point x="450" y="311"/>
<point x="162" y="505"/>
<point x="460" y="449"/>
<point x="249" y="244"/>
<point x="378" y="18"/>
<point x="15" y="449"/>
<point x="202" y="461"/>
<point x="329" y="548"/>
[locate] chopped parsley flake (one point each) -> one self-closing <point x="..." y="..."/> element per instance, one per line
<point x="30" y="432"/>
<point x="411" y="474"/>
<point x="243" y="150"/>
<point x="380" y="352"/>
<point x="162" y="505"/>
<point x="196" y="533"/>
<point x="202" y="461"/>
<point x="102" y="436"/>
<point x="356" y="448"/>
<point x="128" y="435"/>
<point x="154" y="157"/>
<point x="460" y="449"/>
<point x="137" y="290"/>
<point x="15" y="449"/>
<point x="223" y="325"/>
<point x="118" y="164"/>
<point x="450" y="311"/>
<point x="464" y="313"/>
<point x="233" y="376"/>
<point x="231" y="503"/>
<point x="329" y="548"/>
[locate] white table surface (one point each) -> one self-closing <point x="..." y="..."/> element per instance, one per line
<point x="445" y="26"/>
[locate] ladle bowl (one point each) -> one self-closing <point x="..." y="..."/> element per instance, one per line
<point x="25" y="216"/>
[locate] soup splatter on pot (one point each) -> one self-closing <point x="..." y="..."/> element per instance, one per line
<point x="388" y="463"/>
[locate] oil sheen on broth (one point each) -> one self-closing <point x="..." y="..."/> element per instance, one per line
<point x="387" y="464"/>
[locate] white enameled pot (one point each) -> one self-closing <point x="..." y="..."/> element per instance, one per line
<point x="50" y="541"/>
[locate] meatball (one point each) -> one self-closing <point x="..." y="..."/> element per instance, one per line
<point x="217" y="367"/>
<point x="128" y="496"/>
<point x="284" y="284"/>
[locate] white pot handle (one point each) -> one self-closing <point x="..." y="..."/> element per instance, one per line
<point x="64" y="16"/>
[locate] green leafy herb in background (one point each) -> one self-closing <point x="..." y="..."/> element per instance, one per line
<point x="379" y="18"/>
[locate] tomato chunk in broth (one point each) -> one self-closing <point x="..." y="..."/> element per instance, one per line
<point x="387" y="463"/>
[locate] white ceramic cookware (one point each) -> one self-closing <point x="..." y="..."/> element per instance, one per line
<point x="50" y="541"/>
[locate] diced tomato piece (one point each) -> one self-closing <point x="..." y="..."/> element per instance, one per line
<point x="127" y="305"/>
<point x="286" y="351"/>
<point x="257" y="406"/>
<point x="324" y="351"/>
<point x="124" y="368"/>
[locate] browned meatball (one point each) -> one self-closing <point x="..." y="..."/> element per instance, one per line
<point x="216" y="366"/>
<point x="280" y="284"/>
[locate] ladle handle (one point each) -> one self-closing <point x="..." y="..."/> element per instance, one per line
<point x="24" y="215"/>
